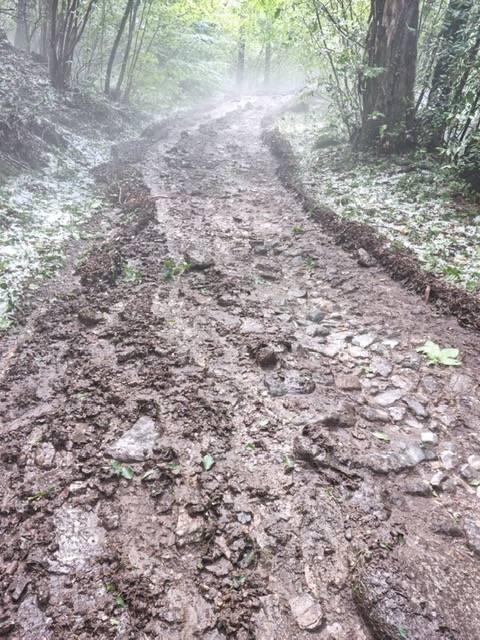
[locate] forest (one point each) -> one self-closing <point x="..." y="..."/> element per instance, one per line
<point x="239" y="315"/>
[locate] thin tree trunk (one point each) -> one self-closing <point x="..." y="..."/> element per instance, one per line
<point x="21" y="40"/>
<point x="116" y="44"/>
<point x="241" y="59"/>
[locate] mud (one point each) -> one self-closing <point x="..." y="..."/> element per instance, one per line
<point x="286" y="465"/>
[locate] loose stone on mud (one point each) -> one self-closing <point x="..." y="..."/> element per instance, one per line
<point x="136" y="444"/>
<point x="307" y="612"/>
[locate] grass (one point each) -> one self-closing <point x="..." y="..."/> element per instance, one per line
<point x="412" y="199"/>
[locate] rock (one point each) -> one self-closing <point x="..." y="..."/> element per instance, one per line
<point x="90" y="317"/>
<point x="418" y="488"/>
<point x="80" y="539"/>
<point x="428" y="437"/>
<point x="449" y="459"/>
<point x="219" y="568"/>
<point x="331" y="350"/>
<point x="316" y="316"/>
<point x="438" y="479"/>
<point x="397" y="413"/>
<point x="416" y="407"/>
<point x="364" y="259"/>
<point x="189" y="530"/>
<point x="364" y="340"/>
<point x="348" y="382"/>
<point x="307" y="612"/>
<point x="474" y="462"/>
<point x="414" y="453"/>
<point x="197" y="260"/>
<point x="471" y="527"/>
<point x="45" y="455"/>
<point x="290" y="382"/>
<point x="374" y="415"/>
<point x="344" y="416"/>
<point x="136" y="444"/>
<point x="293" y="294"/>
<point x="389" y="397"/>
<point x="251" y="326"/>
<point x="381" y="367"/>
<point x="266" y="357"/>
<point x="467" y="472"/>
<point x="461" y="384"/>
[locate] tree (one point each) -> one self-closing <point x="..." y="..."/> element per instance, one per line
<point x="388" y="77"/>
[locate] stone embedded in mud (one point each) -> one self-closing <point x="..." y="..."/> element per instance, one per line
<point x="471" y="527"/>
<point x="79" y="538"/>
<point x="389" y="397"/>
<point x="428" y="437"/>
<point x="416" y="407"/>
<point x="307" y="612"/>
<point x="374" y="415"/>
<point x="344" y="416"/>
<point x="251" y="326"/>
<point x="364" y="340"/>
<point x="348" y="382"/>
<point x="266" y="357"/>
<point x="197" y="260"/>
<point x="290" y="382"/>
<point x="189" y="530"/>
<point x="381" y="367"/>
<point x="137" y="443"/>
<point x="45" y="455"/>
<point x="364" y="259"/>
<point x="316" y="316"/>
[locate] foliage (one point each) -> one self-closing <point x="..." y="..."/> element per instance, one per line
<point x="436" y="355"/>
<point x="122" y="470"/>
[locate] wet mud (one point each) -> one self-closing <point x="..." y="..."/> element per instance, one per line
<point x="219" y="426"/>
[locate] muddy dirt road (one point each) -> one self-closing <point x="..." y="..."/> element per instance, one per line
<point x="250" y="447"/>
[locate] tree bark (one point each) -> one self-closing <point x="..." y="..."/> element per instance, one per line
<point x="387" y="83"/>
<point x="116" y="44"/>
<point x="241" y="59"/>
<point x="21" y="40"/>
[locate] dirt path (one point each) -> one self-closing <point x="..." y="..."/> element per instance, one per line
<point x="341" y="503"/>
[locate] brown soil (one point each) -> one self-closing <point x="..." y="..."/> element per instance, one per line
<point x="202" y="325"/>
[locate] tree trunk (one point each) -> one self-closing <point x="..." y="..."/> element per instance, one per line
<point x="21" y="25"/>
<point x="387" y="82"/>
<point x="268" y="63"/>
<point x="116" y="44"/>
<point x="241" y="59"/>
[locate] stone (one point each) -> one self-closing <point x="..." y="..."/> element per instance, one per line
<point x="467" y="472"/>
<point x="428" y="437"/>
<point x="461" y="384"/>
<point x="374" y="415"/>
<point x="331" y="350"/>
<point x="197" y="261"/>
<point x="397" y="413"/>
<point x="289" y="382"/>
<point x="45" y="455"/>
<point x="364" y="340"/>
<point x="474" y="461"/>
<point x="189" y="530"/>
<point x="344" y="416"/>
<point x="381" y="366"/>
<point x="316" y="316"/>
<point x="416" y="407"/>
<point x="251" y="326"/>
<point x="449" y="459"/>
<point x="414" y="453"/>
<point x="389" y="397"/>
<point x="418" y="488"/>
<point x="348" y="382"/>
<point x="471" y="527"/>
<point x="266" y="357"/>
<point x="136" y="444"/>
<point x="307" y="612"/>
<point x="364" y="259"/>
<point x="437" y="479"/>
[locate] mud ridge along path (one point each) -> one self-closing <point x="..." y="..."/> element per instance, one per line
<point x="220" y="426"/>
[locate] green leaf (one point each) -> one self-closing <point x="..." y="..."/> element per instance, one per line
<point x="380" y="435"/>
<point x="207" y="462"/>
<point x="436" y="355"/>
<point x="288" y="463"/>
<point x="122" y="470"/>
<point x="250" y="446"/>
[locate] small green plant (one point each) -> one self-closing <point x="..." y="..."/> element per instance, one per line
<point x="310" y="263"/>
<point x="130" y="274"/>
<point x="297" y="231"/>
<point x="112" y="588"/>
<point x="250" y="446"/>
<point x="380" y="435"/>
<point x="5" y="323"/>
<point x="44" y="493"/>
<point x="171" y="269"/>
<point x="288" y="463"/>
<point x="436" y="355"/>
<point x="122" y="470"/>
<point x="207" y="462"/>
